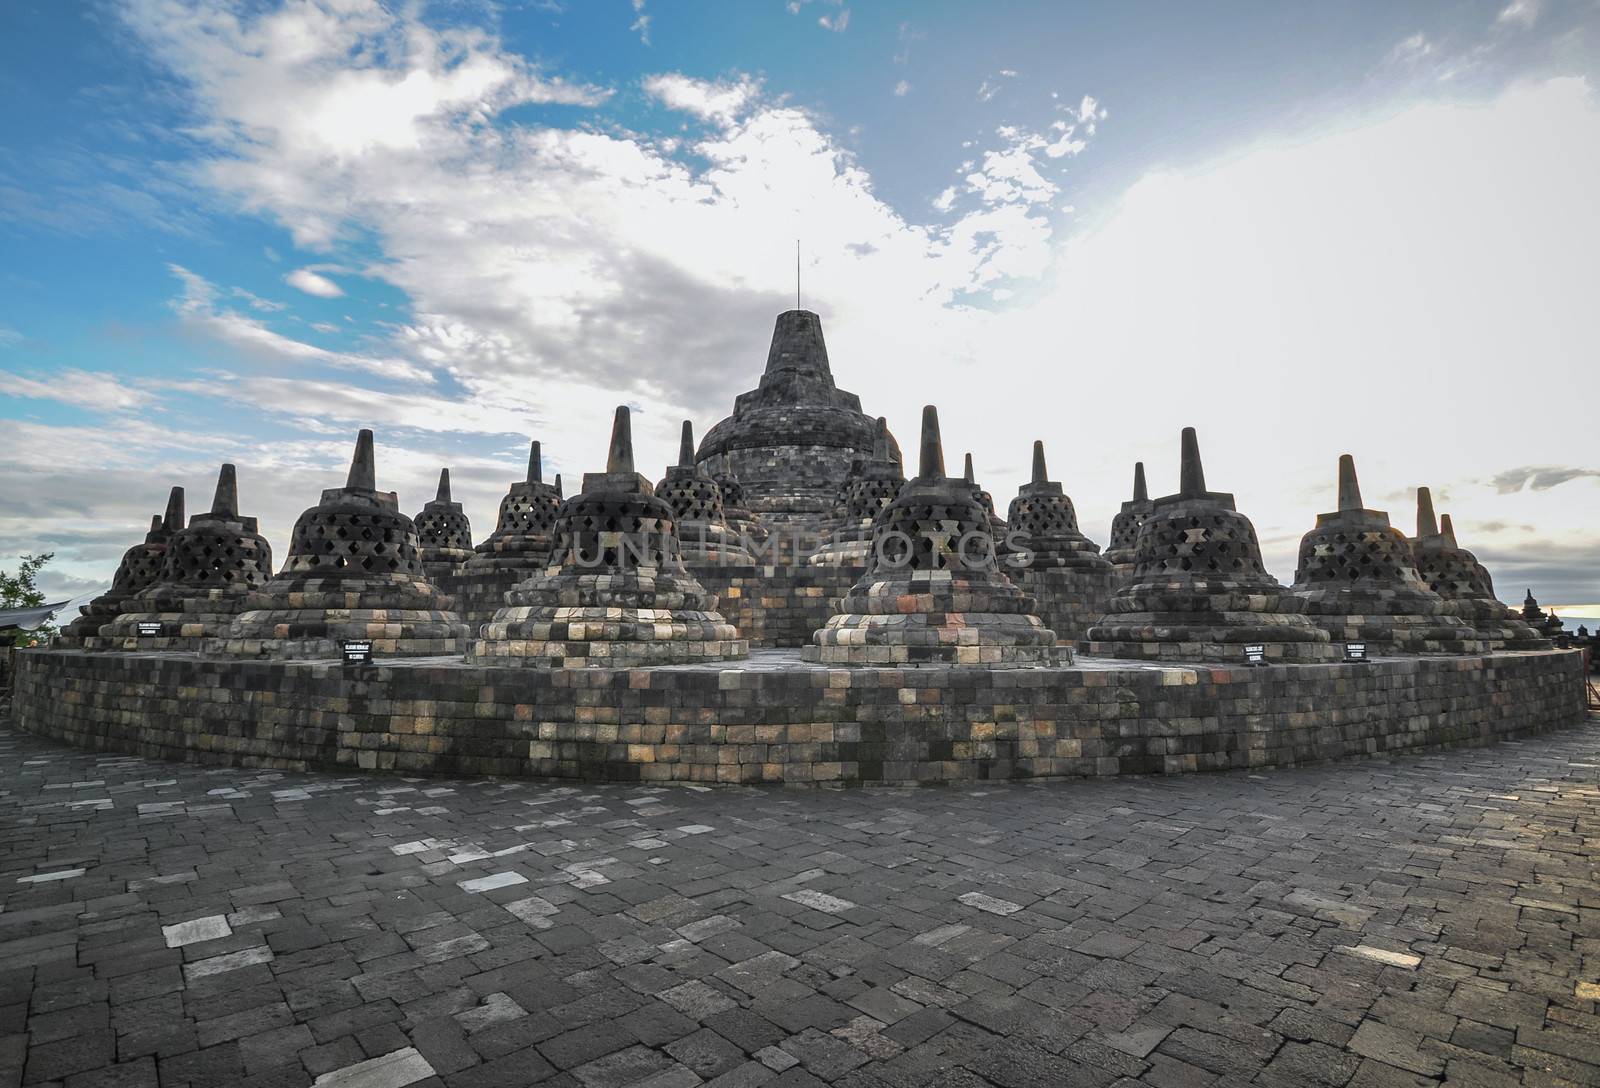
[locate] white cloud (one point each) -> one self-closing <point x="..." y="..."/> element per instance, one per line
<point x="1386" y="290"/>
<point x="1391" y="289"/>
<point x="568" y="255"/>
<point x="96" y="391"/>
<point x="1411" y="50"/>
<point x="9" y="336"/>
<point x="1520" y="12"/>
<point x="836" y="23"/>
<point x="313" y="283"/>
<point x="641" y="22"/>
<point x="902" y="88"/>
<point x="326" y="86"/>
<point x="197" y="307"/>
<point x="713" y="100"/>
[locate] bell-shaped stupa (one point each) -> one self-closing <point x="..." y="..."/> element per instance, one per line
<point x="1360" y="583"/>
<point x="933" y="592"/>
<point x="354" y="571"/>
<point x="736" y="512"/>
<point x="837" y="518"/>
<point x="443" y="534"/>
<point x="138" y="571"/>
<point x="209" y="570"/>
<point x="1456" y="575"/>
<point x="792" y="438"/>
<point x="1547" y="624"/>
<point x="872" y="488"/>
<point x="697" y="515"/>
<point x="524" y="533"/>
<point x="1045" y="552"/>
<point x="1199" y="591"/>
<point x="616" y="593"/>
<point x="1121" y="551"/>
<point x="997" y="527"/>
<point x="1044" y="523"/>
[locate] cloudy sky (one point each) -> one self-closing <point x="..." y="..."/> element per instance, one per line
<point x="241" y="231"/>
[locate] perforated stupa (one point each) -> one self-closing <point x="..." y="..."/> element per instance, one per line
<point x="1199" y="591"/>
<point x="444" y="534"/>
<point x="137" y="571"/>
<point x="1051" y="558"/>
<point x="1122" y="548"/>
<point x="1045" y="523"/>
<point x="1360" y="583"/>
<point x="616" y="592"/>
<point x="933" y="592"/>
<point x="1456" y="575"/>
<point x="209" y="569"/>
<point x="867" y="492"/>
<point x="524" y="533"/>
<point x="354" y="571"/>
<point x="696" y="503"/>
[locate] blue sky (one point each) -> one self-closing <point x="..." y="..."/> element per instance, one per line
<point x="240" y="232"/>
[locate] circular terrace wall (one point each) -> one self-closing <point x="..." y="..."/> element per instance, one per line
<point x="776" y="719"/>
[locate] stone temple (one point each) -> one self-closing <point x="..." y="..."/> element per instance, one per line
<point x="790" y="440"/>
<point x="699" y="632"/>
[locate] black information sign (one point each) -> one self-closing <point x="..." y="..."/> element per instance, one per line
<point x="1255" y="653"/>
<point x="147" y="628"/>
<point x="357" y="651"/>
<point x="1355" y="651"/>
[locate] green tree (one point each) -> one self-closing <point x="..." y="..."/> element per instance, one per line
<point x="20" y="590"/>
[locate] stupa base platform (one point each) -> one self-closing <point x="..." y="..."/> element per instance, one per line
<point x="184" y="622"/>
<point x="607" y="654"/>
<point x="1391" y="634"/>
<point x="775" y="718"/>
<point x="1219" y="634"/>
<point x="1200" y="649"/>
<point x="320" y="634"/>
<point x="309" y="618"/>
<point x="935" y="638"/>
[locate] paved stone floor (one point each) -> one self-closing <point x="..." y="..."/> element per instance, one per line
<point x="1371" y="923"/>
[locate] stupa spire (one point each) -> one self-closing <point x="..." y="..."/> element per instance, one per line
<point x="535" y="463"/>
<point x="1349" y="486"/>
<point x="225" y="501"/>
<point x="363" y="466"/>
<point x="686" y="446"/>
<point x="1447" y="530"/>
<point x="173" y="521"/>
<point x="619" y="458"/>
<point x="1426" y="525"/>
<point x="443" y="494"/>
<point x="966" y="469"/>
<point x="1040" y="475"/>
<point x="1141" y="493"/>
<point x="1191" y="473"/>
<point x="930" y="463"/>
<point x="558" y="484"/>
<point x="797" y="344"/>
<point x="880" y="444"/>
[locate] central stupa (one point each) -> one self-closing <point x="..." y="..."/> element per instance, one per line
<point x="791" y="440"/>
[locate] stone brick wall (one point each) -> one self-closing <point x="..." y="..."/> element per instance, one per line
<point x="774" y="719"/>
<point x="776" y="606"/>
<point x="1069" y="601"/>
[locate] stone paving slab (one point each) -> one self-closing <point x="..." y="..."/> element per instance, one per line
<point x="1431" y="919"/>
